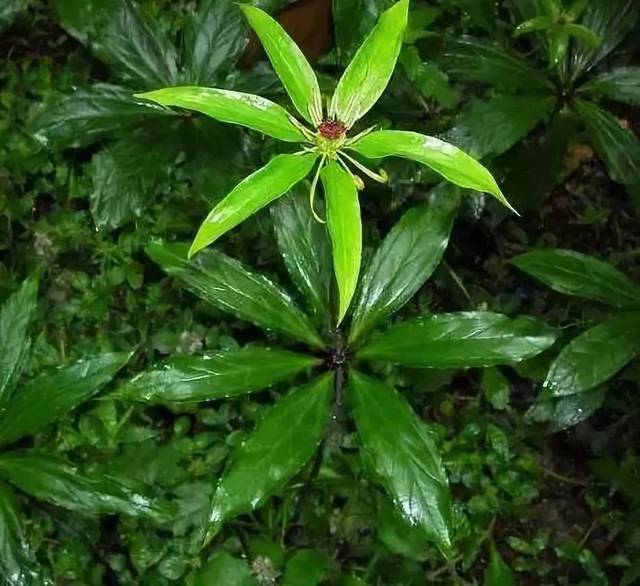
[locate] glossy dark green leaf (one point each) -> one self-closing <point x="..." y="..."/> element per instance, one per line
<point x="403" y="457"/>
<point x="621" y="84"/>
<point x="129" y="41"/>
<point x="125" y="179"/>
<point x="185" y="378"/>
<point x="16" y="314"/>
<point x="428" y="79"/>
<point x="618" y="147"/>
<point x="215" y="37"/>
<point x="252" y="194"/>
<point x="574" y="273"/>
<point x="595" y="356"/>
<point x="282" y="443"/>
<point x="460" y="340"/>
<point x="559" y="413"/>
<point x="52" y="479"/>
<point x="305" y="249"/>
<point x="17" y="562"/>
<point x="489" y="128"/>
<point x="498" y="573"/>
<point x="345" y="230"/>
<point x="397" y="534"/>
<point x="227" y="284"/>
<point x="88" y="115"/>
<point x="225" y="570"/>
<point x="406" y="258"/>
<point x="289" y="63"/>
<point x="496" y="388"/>
<point x="371" y="68"/>
<point x="472" y="59"/>
<point x="307" y="567"/>
<point x="53" y="394"/>
<point x="444" y="158"/>
<point x="234" y="107"/>
<point x="611" y="21"/>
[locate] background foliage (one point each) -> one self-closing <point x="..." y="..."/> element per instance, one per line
<point x="80" y="201"/>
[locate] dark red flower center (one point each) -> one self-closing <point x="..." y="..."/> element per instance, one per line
<point x="332" y="129"/>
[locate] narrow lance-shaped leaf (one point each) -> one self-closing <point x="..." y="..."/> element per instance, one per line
<point x="17" y="562"/>
<point x="489" y="128"/>
<point x="289" y="63"/>
<point x="52" y="395"/>
<point x="224" y="374"/>
<point x="228" y="106"/>
<point x="444" y="158"/>
<point x="406" y="258"/>
<point x="225" y="283"/>
<point x="460" y="340"/>
<point x="403" y="458"/>
<point x="15" y="316"/>
<point x="57" y="481"/>
<point x="498" y="573"/>
<point x="214" y="38"/>
<point x="574" y="273"/>
<point x="621" y="84"/>
<point x="345" y="229"/>
<point x="253" y="193"/>
<point x="369" y="72"/>
<point x="617" y="146"/>
<point x="595" y="356"/>
<point x="89" y="114"/>
<point x="283" y="442"/>
<point x="305" y="249"/>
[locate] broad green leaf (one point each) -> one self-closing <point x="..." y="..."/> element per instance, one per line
<point x="228" y="106"/>
<point x="582" y="34"/>
<point x="406" y="258"/>
<point x="498" y="573"/>
<point x="282" y="443"/>
<point x="496" y="388"/>
<point x="307" y="567"/>
<point x="224" y="374"/>
<point x="131" y="42"/>
<point x="560" y="413"/>
<point x="621" y="84"/>
<point x="610" y="21"/>
<point x="352" y="21"/>
<point x="430" y="81"/>
<point x="126" y="179"/>
<point x="488" y="129"/>
<point x="52" y="479"/>
<point x="225" y="570"/>
<point x="17" y="562"/>
<point x="371" y="68"/>
<point x="215" y="36"/>
<point x="473" y="60"/>
<point x="345" y="229"/>
<point x="595" y="356"/>
<point x="289" y="63"/>
<point x="574" y="273"/>
<point x="618" y="147"/>
<point x="53" y="394"/>
<point x="89" y="114"/>
<point x="253" y="193"/>
<point x="460" y="340"/>
<point x="403" y="458"/>
<point x="397" y="534"/>
<point x="306" y="251"/>
<point x="225" y="283"/>
<point x="444" y="158"/>
<point x="16" y="314"/>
